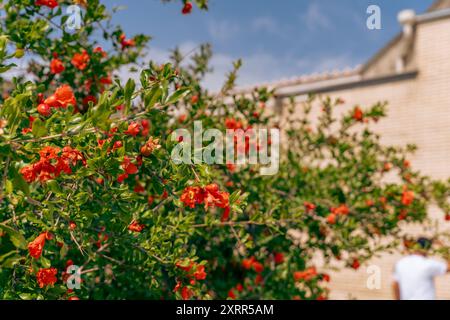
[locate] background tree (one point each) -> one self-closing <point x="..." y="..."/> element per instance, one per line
<point x="87" y="177"/>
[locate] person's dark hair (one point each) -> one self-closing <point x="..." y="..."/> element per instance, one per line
<point x="424" y="243"/>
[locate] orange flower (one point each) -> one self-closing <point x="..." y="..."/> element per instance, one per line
<point x="64" y="96"/>
<point x="37" y="245"/>
<point x="341" y="210"/>
<point x="306" y="275"/>
<point x="56" y="66"/>
<point x="407" y="197"/>
<point x="81" y="60"/>
<point x="358" y="114"/>
<point x="46" y="277"/>
<point x="331" y="219"/>
<point x="133" y="129"/>
<point x="150" y="146"/>
<point x="135" y="226"/>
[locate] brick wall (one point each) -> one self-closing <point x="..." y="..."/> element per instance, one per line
<point x="419" y="113"/>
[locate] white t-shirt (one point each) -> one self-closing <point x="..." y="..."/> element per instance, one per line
<point x="415" y="276"/>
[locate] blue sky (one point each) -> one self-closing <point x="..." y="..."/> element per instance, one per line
<point x="275" y="38"/>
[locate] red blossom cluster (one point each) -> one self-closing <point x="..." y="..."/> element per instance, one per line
<point x="36" y="246"/>
<point x="46" y="277"/>
<point x="81" y="60"/>
<point x="252" y="263"/>
<point x="128" y="167"/>
<point x="134" y="128"/>
<point x="194" y="272"/>
<point x="342" y="210"/>
<point x="53" y="161"/>
<point x="62" y="98"/>
<point x="407" y="197"/>
<point x="210" y="196"/>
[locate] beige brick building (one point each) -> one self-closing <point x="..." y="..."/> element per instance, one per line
<point x="412" y="73"/>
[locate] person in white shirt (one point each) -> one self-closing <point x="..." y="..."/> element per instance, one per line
<point x="414" y="274"/>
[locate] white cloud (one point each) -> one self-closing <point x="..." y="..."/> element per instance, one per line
<point x="265" y="24"/>
<point x="315" y="18"/>
<point x="223" y="30"/>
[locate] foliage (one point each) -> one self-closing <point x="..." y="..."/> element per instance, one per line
<point x="87" y="179"/>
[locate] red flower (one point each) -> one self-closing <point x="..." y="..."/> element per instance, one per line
<point x="309" y="206"/>
<point x="37" y="245"/>
<point x="133" y="129"/>
<point x="341" y="210"/>
<point x="48" y="3"/>
<point x="135" y="226"/>
<point x="185" y="265"/>
<point x="331" y="219"/>
<point x="187" y="9"/>
<point x="231" y="294"/>
<point x="128" y="166"/>
<point x="194" y="99"/>
<point x="258" y="267"/>
<point x="100" y="51"/>
<point x="358" y="114"/>
<point x="56" y="66"/>
<point x="278" y="257"/>
<point x="44" y="110"/>
<point x="233" y="124"/>
<point x="72" y="225"/>
<point x="46" y="277"/>
<point x="355" y="264"/>
<point x="81" y="60"/>
<point x="407" y="197"/>
<point x="126" y="42"/>
<point x="306" y="275"/>
<point x="259" y="279"/>
<point x="239" y="287"/>
<point x="138" y="188"/>
<point x="447" y="217"/>
<point x="192" y="196"/>
<point x="186" y="293"/>
<point x="247" y="263"/>
<point x="200" y="273"/>
<point x="88" y="99"/>
<point x="62" y="98"/>
<point x="326" y="277"/>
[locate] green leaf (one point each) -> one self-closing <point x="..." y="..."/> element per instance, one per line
<point x="177" y="95"/>
<point x="39" y="129"/>
<point x="15" y="236"/>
